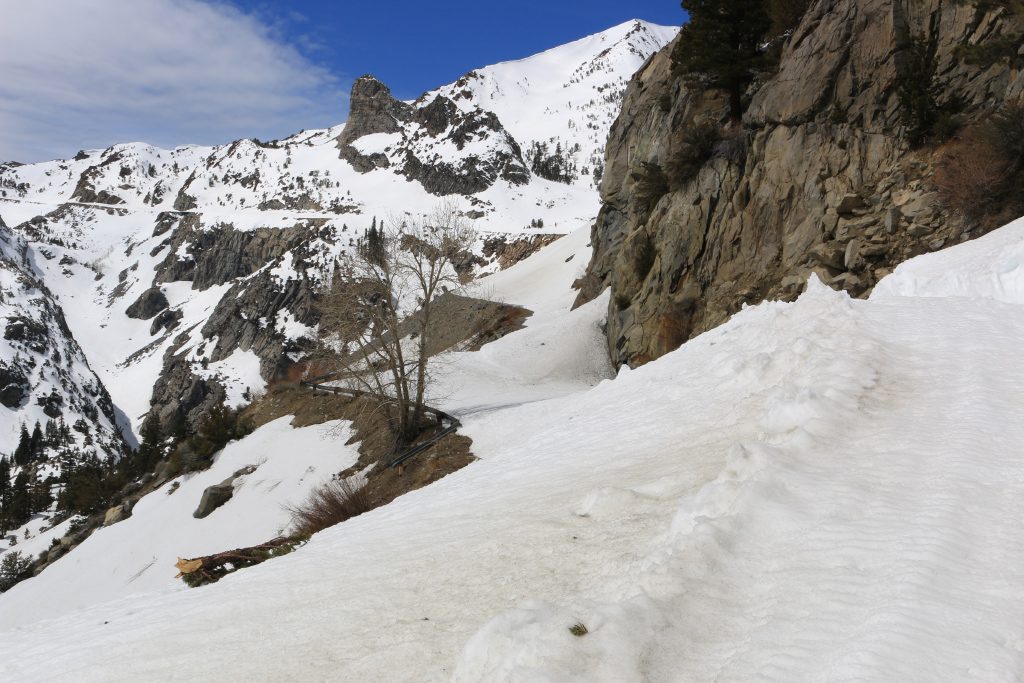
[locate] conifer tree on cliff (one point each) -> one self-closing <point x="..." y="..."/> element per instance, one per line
<point x="722" y="46"/>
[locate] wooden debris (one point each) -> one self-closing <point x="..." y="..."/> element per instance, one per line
<point x="210" y="568"/>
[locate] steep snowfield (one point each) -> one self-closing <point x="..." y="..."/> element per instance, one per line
<point x="44" y="374"/>
<point x="824" y="490"/>
<point x="581" y="82"/>
<point x="990" y="267"/>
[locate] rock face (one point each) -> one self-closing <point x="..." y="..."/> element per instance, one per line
<point x="508" y="251"/>
<point x="485" y="151"/>
<point x="207" y="257"/>
<point x="372" y="109"/>
<point x="149" y="303"/>
<point x="818" y="178"/>
<point x="251" y="314"/>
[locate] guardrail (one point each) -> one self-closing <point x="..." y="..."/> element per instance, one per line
<point x="316" y="384"/>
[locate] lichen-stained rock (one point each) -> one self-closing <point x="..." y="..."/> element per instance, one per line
<point x="819" y="177"/>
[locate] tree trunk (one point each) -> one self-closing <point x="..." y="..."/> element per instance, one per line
<point x="736" y="101"/>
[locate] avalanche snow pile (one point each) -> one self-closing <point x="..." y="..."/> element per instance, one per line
<point x="823" y="489"/>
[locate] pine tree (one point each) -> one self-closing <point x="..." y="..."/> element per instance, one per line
<point x="24" y="450"/>
<point x="5" y="493"/>
<point x="722" y="46"/>
<point x="375" y="244"/>
<point x="52" y="435"/>
<point x="36" y="441"/>
<point x="20" y="508"/>
<point x="150" y="450"/>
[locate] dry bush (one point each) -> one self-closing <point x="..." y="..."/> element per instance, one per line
<point x="981" y="174"/>
<point x="329" y="504"/>
<point x="293" y="374"/>
<point x="651" y="185"/>
<point x="690" y="148"/>
<point x="969" y="177"/>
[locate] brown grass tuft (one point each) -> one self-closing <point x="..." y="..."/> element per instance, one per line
<point x="329" y="504"/>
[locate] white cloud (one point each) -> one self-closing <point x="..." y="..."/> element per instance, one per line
<point x="88" y="73"/>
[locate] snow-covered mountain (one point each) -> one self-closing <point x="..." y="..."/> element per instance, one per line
<point x="188" y="276"/>
<point x="816" y="488"/>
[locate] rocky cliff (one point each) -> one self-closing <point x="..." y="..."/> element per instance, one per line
<point x="820" y="176"/>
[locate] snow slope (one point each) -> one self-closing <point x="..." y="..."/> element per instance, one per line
<point x="138" y="554"/>
<point x="823" y="490"/>
<point x="44" y="374"/>
<point x="581" y="82"/>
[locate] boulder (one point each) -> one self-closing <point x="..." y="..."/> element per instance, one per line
<point x="117" y="514"/>
<point x="852" y="258"/>
<point x="14" y="386"/>
<point x="213" y="497"/>
<point x="149" y="303"/>
<point x="828" y="254"/>
<point x="850" y="203"/>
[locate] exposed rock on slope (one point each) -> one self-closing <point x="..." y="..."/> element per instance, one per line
<point x="43" y="373"/>
<point x="820" y="177"/>
<point x="446" y="149"/>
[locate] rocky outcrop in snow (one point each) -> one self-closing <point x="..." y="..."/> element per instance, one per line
<point x="820" y="176"/>
<point x="446" y="149"/>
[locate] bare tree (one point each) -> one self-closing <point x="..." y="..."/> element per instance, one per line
<point x="376" y="313"/>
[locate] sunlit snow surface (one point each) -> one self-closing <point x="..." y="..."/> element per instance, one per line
<point x="824" y="490"/>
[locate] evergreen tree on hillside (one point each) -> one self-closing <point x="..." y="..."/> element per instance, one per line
<point x="24" y="450"/>
<point x="36" y="441"/>
<point x="5" y="493"/>
<point x="20" y="508"/>
<point x="722" y="46"/>
<point x="374" y="246"/>
<point x="150" y="450"/>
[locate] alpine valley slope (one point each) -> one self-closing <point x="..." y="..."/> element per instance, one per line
<point x="827" y="489"/>
<point x="189" y="276"/>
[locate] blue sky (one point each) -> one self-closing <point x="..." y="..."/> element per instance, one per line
<point x="81" y="74"/>
<point x="416" y="46"/>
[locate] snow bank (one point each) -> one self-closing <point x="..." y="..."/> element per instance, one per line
<point x="809" y="385"/>
<point x="990" y="267"/>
